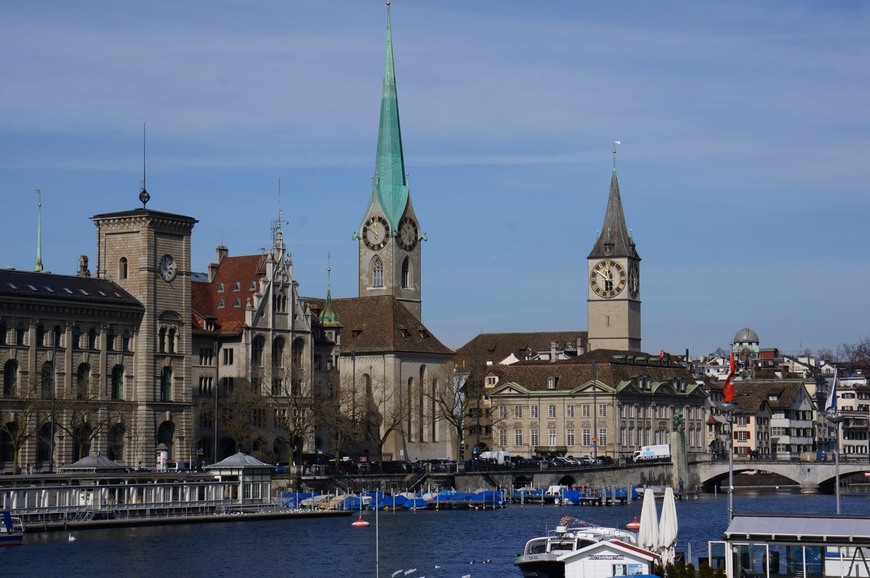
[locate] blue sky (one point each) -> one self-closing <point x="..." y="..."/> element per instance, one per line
<point x="745" y="131"/>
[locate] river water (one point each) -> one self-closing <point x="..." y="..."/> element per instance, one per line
<point x="439" y="544"/>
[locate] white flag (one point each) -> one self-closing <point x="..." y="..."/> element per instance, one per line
<point x="831" y="402"/>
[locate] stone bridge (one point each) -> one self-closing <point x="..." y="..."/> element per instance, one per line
<point x="811" y="476"/>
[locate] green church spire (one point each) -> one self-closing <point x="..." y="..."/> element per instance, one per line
<point x="389" y="184"/>
<point x="329" y="316"/>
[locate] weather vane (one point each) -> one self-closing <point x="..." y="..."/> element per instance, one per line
<point x="616" y="142"/>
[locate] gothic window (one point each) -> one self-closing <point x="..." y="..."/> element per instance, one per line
<point x="122" y="268"/>
<point x="118" y="382"/>
<point x="377" y="272"/>
<point x="257" y="351"/>
<point x="10" y="378"/>
<point x="278" y="352"/>
<point x="406" y="273"/>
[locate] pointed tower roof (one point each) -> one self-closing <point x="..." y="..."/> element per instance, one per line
<point x="329" y="316"/>
<point x="389" y="184"/>
<point x="38" y="266"/>
<point x="614" y="239"/>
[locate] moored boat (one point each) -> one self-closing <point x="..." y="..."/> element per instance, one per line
<point x="571" y="544"/>
<point x="11" y="529"/>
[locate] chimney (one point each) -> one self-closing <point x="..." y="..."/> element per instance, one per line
<point x="220" y="252"/>
<point x="552" y="352"/>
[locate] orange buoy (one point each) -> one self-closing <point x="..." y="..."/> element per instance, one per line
<point x="634" y="525"/>
<point x="360" y="523"/>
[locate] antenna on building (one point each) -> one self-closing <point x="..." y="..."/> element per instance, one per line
<point x="144" y="197"/>
<point x="38" y="266"/>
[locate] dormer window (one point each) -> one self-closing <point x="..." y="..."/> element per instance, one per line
<point x="237" y="286"/>
<point x="220" y="287"/>
<point x="551" y="382"/>
<point x="237" y="302"/>
<point x="253" y="286"/>
<point x="221" y="304"/>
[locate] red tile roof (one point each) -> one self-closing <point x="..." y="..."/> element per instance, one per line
<point x="237" y="276"/>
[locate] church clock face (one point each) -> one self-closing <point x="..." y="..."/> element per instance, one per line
<point x="166" y="268"/>
<point x="408" y="234"/>
<point x="375" y="233"/>
<point x="633" y="281"/>
<point x="607" y="279"/>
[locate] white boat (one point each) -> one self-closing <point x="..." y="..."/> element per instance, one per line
<point x="577" y="548"/>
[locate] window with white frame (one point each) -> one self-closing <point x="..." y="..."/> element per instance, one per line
<point x="518" y="413"/>
<point x="533" y="412"/>
<point x="518" y="437"/>
<point x="551" y="413"/>
<point x="502" y="437"/>
<point x="602" y="410"/>
<point x="569" y="436"/>
<point x="584" y="410"/>
<point x="551" y="436"/>
<point x="586" y="436"/>
<point x="602" y="436"/>
<point x="533" y="437"/>
<point x="569" y="411"/>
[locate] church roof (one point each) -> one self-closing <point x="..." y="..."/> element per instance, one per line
<point x="614" y="239"/>
<point x="381" y="324"/>
<point x="389" y="184"/>
<point x="224" y="299"/>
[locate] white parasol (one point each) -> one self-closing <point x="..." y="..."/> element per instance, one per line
<point x="668" y="528"/>
<point x="648" y="533"/>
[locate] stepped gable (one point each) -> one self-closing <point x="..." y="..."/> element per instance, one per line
<point x="381" y="324"/>
<point x="246" y="270"/>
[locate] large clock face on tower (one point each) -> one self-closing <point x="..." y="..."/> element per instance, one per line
<point x="375" y="233"/>
<point x="607" y="278"/>
<point x="407" y="234"/>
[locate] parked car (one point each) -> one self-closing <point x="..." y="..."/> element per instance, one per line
<point x="603" y="461"/>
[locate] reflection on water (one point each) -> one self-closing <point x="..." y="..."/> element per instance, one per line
<point x="436" y="543"/>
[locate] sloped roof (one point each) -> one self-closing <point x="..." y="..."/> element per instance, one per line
<point x="243" y="272"/>
<point x="604" y="366"/>
<point x="27" y="285"/>
<point x="382" y="324"/>
<point x="780" y="394"/>
<point x="98" y="463"/>
<point x="495" y="347"/>
<point x="238" y="460"/>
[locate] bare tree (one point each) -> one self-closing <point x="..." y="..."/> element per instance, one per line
<point x="856" y="352"/>
<point x="22" y="420"/>
<point x="242" y="414"/>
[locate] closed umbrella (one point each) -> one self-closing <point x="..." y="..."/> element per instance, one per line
<point x="648" y="533"/>
<point x="668" y="528"/>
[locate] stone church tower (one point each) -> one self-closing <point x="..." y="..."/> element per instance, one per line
<point x="613" y="303"/>
<point x="389" y="236"/>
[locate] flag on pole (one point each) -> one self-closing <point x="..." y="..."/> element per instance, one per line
<point x="728" y="391"/>
<point x="831" y="402"/>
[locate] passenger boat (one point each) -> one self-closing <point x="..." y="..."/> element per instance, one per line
<point x="11" y="529"/>
<point x="577" y="548"/>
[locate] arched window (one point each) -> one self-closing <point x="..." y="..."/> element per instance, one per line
<point x="10" y="379"/>
<point x="377" y="272"/>
<point x="56" y="336"/>
<point x="40" y="335"/>
<point x="7" y="444"/>
<point x="43" y="444"/>
<point x="122" y="268"/>
<point x="92" y="338"/>
<point x="406" y="273"/>
<point x="125" y="341"/>
<point x="410" y="405"/>
<point x="48" y="380"/>
<point x="76" y="337"/>
<point x="166" y="384"/>
<point x="278" y="352"/>
<point x="19" y="334"/>
<point x="83" y="378"/>
<point x="161" y="340"/>
<point x="110" y="340"/>
<point x="3" y="331"/>
<point x="118" y="382"/>
<point x="257" y="351"/>
<point x="171" y="340"/>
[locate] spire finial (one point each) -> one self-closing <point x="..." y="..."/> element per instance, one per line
<point x="144" y="197"/>
<point x="616" y="142"/>
<point x="38" y="266"/>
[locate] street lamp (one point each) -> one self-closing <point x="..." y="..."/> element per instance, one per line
<point x="836" y="418"/>
<point x="728" y="409"/>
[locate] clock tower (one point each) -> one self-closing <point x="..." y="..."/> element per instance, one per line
<point x="147" y="253"/>
<point x="613" y="265"/>
<point x="389" y="236"/>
